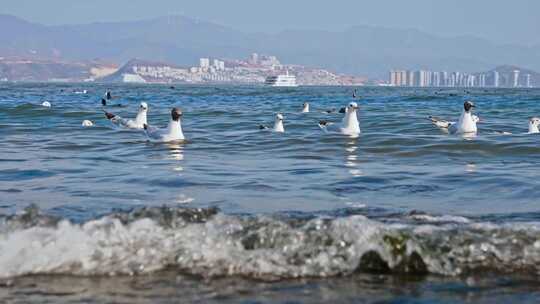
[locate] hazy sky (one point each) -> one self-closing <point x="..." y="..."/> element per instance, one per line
<point x="503" y="21"/>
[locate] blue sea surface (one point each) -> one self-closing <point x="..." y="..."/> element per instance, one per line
<point x="303" y="215"/>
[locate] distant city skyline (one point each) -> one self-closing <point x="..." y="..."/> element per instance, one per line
<point x="513" y="22"/>
<point x="426" y="78"/>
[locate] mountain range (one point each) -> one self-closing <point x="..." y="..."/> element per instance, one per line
<point x="359" y="50"/>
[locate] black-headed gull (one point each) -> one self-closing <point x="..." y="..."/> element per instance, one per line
<point x="173" y="132"/>
<point x="348" y="126"/>
<point x="137" y="123"/>
<point x="465" y="125"/>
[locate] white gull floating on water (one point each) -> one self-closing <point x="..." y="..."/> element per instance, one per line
<point x="465" y="125"/>
<point x="138" y="123"/>
<point x="348" y="126"/>
<point x="534" y="123"/>
<point x="87" y="123"/>
<point x="305" y="107"/>
<point x="173" y="132"/>
<point x="278" y="124"/>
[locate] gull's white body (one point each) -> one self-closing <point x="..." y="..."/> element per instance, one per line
<point x="278" y="124"/>
<point x="533" y="125"/>
<point x="87" y="123"/>
<point x="465" y="125"/>
<point x="173" y="132"/>
<point x="305" y="108"/>
<point x="349" y="124"/>
<point x="444" y="124"/>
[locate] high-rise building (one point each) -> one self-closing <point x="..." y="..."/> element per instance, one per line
<point x="411" y="79"/>
<point x="399" y="78"/>
<point x="444" y="78"/>
<point x="404" y="75"/>
<point x="436" y="79"/>
<point x="392" y="78"/>
<point x="515" y="78"/>
<point x="528" y="81"/>
<point x="424" y="78"/>
<point x="471" y="79"/>
<point x="496" y="79"/>
<point x="254" y="59"/>
<point x="204" y="63"/>
<point x="482" y="80"/>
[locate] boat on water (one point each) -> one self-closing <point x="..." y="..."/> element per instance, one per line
<point x="283" y="80"/>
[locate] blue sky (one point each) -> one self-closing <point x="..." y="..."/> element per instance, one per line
<point x="502" y="21"/>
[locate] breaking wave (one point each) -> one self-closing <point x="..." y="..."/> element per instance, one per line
<point x="209" y="243"/>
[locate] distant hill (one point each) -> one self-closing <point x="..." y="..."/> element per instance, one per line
<point x="14" y="69"/>
<point x="360" y="50"/>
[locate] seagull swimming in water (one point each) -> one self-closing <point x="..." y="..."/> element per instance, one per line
<point x="348" y="126"/>
<point x="87" y="123"/>
<point x="534" y="123"/>
<point x="305" y="107"/>
<point x="138" y="123"/>
<point x="465" y="125"/>
<point x="278" y="124"/>
<point x="173" y="132"/>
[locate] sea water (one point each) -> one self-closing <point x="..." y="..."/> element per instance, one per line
<point x="403" y="212"/>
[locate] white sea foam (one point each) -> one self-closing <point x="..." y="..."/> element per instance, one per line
<point x="261" y="247"/>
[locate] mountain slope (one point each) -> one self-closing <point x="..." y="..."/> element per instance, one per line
<point x="181" y="40"/>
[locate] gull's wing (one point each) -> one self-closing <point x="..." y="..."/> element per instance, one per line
<point x="328" y="126"/>
<point x="153" y="133"/>
<point x="119" y="121"/>
<point x="441" y="123"/>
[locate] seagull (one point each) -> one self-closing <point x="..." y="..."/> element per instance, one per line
<point x="305" y="107"/>
<point x="278" y="124"/>
<point x="444" y="124"/>
<point x="348" y="126"/>
<point x="138" y="123"/>
<point x="46" y="104"/>
<point x="173" y="132"/>
<point x="534" y="122"/>
<point x="465" y="125"/>
<point x="87" y="123"/>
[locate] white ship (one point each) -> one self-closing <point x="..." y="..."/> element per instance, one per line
<point x="285" y="80"/>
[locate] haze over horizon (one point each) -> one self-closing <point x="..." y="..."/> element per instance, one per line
<point x="498" y="21"/>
